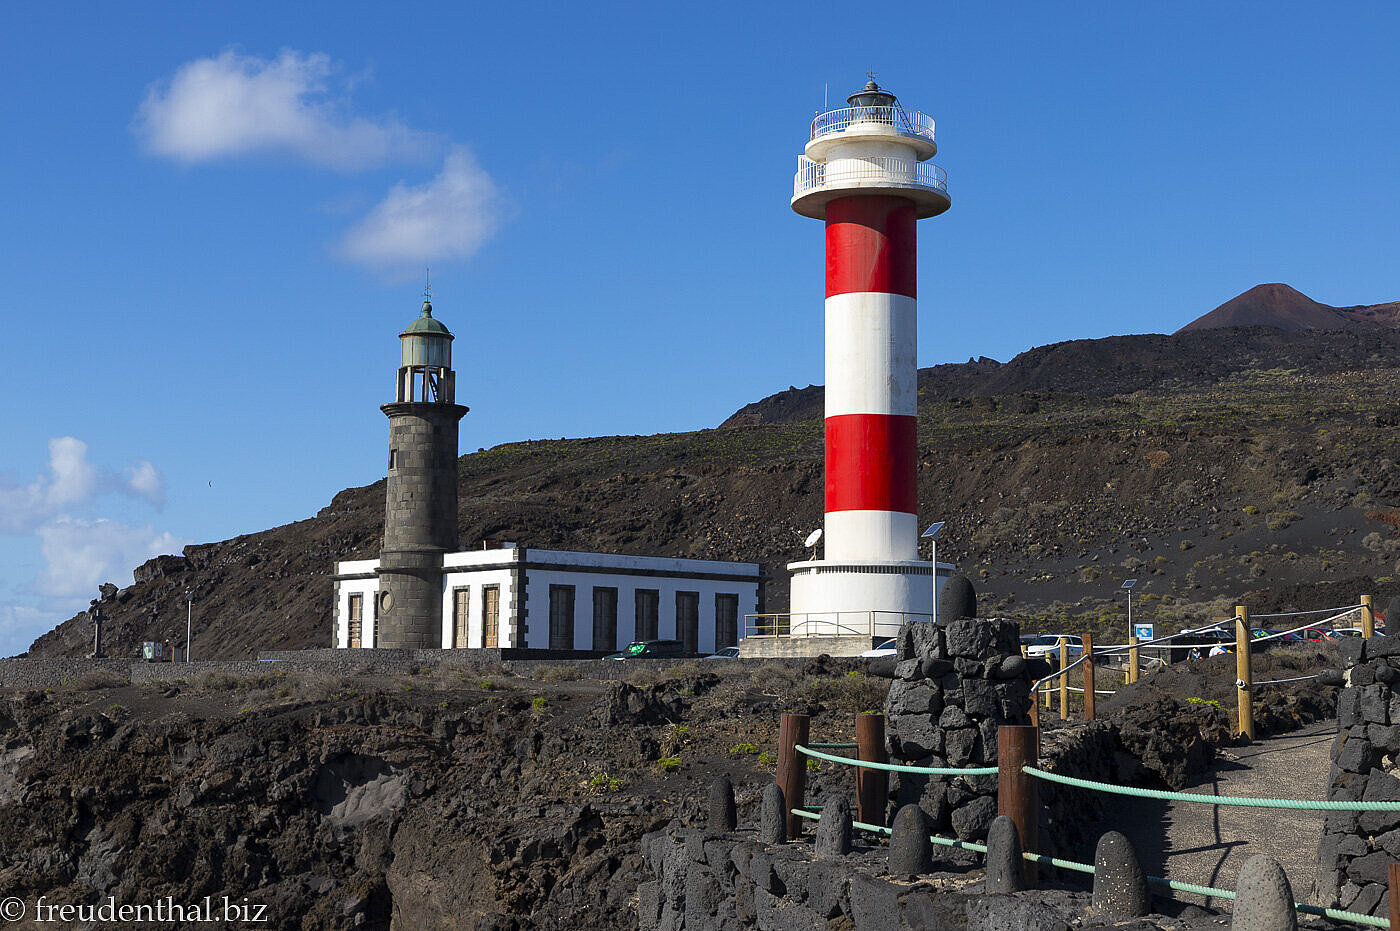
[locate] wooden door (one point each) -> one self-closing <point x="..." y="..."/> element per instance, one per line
<point x="461" y="603"/>
<point x="357" y="619"/>
<point x="491" y="616"/>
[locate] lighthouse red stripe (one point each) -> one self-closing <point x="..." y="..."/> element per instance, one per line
<point x="870" y="463"/>
<point x="870" y="245"/>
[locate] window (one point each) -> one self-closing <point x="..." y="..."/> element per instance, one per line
<point x="605" y="619"/>
<point x="357" y="620"/>
<point x="461" y="604"/>
<point x="688" y="620"/>
<point x="726" y="621"/>
<point x="393" y="459"/>
<point x="561" y="617"/>
<point x="490" y="616"/>
<point x="648" y="607"/>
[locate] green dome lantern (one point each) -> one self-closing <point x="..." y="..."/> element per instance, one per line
<point x="426" y="341"/>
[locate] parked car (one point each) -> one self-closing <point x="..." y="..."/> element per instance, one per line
<point x="726" y="653"/>
<point x="1347" y="631"/>
<point x="651" y="649"/>
<point x="1047" y="646"/>
<point x="883" y="649"/>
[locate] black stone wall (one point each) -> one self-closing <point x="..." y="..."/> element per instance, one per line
<point x="954" y="686"/>
<point x="1357" y="847"/>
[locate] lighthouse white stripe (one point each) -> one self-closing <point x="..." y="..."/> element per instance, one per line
<point x="867" y="535"/>
<point x="871" y="352"/>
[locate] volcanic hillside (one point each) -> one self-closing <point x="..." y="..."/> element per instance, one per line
<point x="1253" y="463"/>
<point x="1278" y="305"/>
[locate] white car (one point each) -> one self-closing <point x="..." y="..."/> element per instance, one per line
<point x="1047" y="646"/>
<point x="726" y="653"/>
<point x="885" y="649"/>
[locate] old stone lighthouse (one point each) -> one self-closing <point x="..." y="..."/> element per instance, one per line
<point x="420" y="516"/>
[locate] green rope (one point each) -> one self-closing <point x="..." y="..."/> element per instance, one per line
<point x="1208" y="891"/>
<point x="832" y="746"/>
<point x="898" y="767"/>
<point x="1213" y="799"/>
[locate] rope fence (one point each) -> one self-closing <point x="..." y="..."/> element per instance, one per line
<point x="1075" y="866"/>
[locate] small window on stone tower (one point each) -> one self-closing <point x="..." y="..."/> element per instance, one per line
<point x="393" y="459"/>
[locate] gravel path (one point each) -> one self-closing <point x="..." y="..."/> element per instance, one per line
<point x="1207" y="844"/>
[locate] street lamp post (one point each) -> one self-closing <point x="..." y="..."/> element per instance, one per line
<point x="932" y="533"/>
<point x="1128" y="587"/>
<point x="189" y="620"/>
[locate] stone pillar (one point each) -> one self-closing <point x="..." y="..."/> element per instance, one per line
<point x="1357" y="847"/>
<point x="954" y="686"/>
<point x="420" y="522"/>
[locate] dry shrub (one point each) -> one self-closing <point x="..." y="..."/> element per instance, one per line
<point x="850" y="694"/>
<point x="559" y="673"/>
<point x="99" y="679"/>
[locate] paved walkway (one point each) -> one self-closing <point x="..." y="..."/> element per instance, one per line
<point x="1207" y="844"/>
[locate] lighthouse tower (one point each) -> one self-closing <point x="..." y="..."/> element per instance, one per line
<point x="865" y="171"/>
<point x="420" y="514"/>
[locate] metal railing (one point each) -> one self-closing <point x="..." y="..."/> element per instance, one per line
<point x="828" y="623"/>
<point x="910" y="122"/>
<point x="904" y="171"/>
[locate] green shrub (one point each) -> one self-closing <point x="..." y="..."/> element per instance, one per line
<point x="814" y="765"/>
<point x="768" y="758"/>
<point x="669" y="763"/>
<point x="537" y="704"/>
<point x="1251" y="510"/>
<point x="743" y="748"/>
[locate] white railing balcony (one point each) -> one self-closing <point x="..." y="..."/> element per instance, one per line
<point x="830" y="624"/>
<point x="893" y="171"/>
<point x="908" y="122"/>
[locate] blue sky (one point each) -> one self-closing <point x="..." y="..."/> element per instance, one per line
<point x="215" y="222"/>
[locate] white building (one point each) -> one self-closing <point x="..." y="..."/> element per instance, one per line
<point x="556" y="599"/>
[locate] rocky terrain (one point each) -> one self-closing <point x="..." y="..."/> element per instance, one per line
<point x="1247" y="465"/>
<point x="468" y="798"/>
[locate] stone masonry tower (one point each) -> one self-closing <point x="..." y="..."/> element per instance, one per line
<point x="420" y="515"/>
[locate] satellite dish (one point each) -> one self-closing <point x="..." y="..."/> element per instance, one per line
<point x="812" y="538"/>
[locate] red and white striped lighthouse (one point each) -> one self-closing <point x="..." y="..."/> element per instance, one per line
<point x="865" y="171"/>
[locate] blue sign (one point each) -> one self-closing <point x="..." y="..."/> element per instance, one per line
<point x="1142" y="631"/>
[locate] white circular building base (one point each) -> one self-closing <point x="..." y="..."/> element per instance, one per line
<point x="857" y="598"/>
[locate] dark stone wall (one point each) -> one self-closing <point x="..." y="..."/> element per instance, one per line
<point x="954" y="685"/>
<point x="1357" y="847"/>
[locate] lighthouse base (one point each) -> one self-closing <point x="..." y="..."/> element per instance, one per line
<point x="839" y="606"/>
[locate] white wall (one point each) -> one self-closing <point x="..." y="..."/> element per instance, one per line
<point x="369" y="588"/>
<point x="477" y="581"/>
<point x="537" y="602"/>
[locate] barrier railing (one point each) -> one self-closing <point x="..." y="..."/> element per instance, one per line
<point x="1242" y="648"/>
<point x="1016" y="758"/>
<point x="829" y="624"/>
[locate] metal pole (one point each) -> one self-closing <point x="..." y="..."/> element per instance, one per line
<point x="1018" y="795"/>
<point x="189" y="622"/>
<point x="872" y="785"/>
<point x="1088" y="676"/>
<point x="792" y="767"/>
<point x="934" y="557"/>
<point x="1244" y="687"/>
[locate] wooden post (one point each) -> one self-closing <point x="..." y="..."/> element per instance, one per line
<point x="872" y="785"/>
<point x="1064" y="681"/>
<point x="1244" y="691"/>
<point x="1035" y="711"/>
<point x="1018" y="795"/>
<point x="1088" y="676"/>
<point x="1134" y="669"/>
<point x="1368" y="623"/>
<point x="792" y="767"/>
<point x="1393" y="877"/>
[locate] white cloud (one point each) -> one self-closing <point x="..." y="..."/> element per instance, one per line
<point x="450" y="217"/>
<point x="72" y="479"/>
<point x="144" y="480"/>
<point x="80" y="554"/>
<point x="72" y="482"/>
<point x="295" y="104"/>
